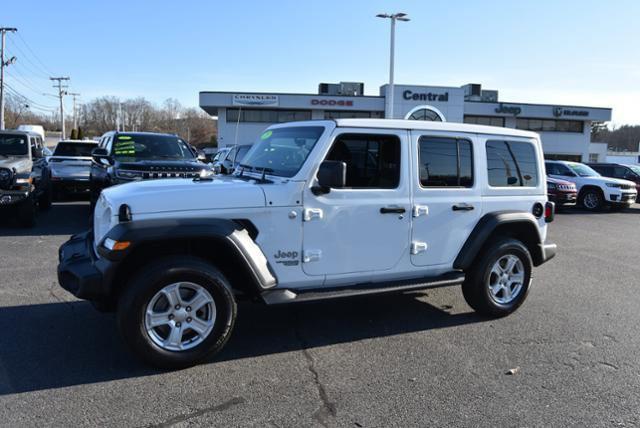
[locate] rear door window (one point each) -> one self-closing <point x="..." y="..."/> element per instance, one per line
<point x="445" y="162"/>
<point x="511" y="164"/>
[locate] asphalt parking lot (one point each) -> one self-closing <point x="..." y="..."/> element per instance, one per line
<point x="414" y="359"/>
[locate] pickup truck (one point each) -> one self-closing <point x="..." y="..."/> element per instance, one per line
<point x="318" y="210"/>
<point x="71" y="167"/>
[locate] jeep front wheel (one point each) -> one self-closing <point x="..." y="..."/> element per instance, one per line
<point x="591" y="199"/>
<point x="499" y="281"/>
<point x="176" y="312"/>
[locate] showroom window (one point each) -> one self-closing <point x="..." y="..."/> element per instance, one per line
<point x="485" y="120"/>
<point x="549" y="125"/>
<point x="511" y="163"/>
<point x="445" y="162"/>
<point x="266" y="115"/>
<point x="346" y="114"/>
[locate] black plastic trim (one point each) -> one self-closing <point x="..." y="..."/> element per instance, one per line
<point x="485" y="228"/>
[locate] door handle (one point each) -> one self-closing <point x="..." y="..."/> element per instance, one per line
<point x="462" y="207"/>
<point x="392" y="210"/>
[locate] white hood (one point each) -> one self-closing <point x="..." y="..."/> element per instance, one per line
<point x="164" y="195"/>
<point x="600" y="180"/>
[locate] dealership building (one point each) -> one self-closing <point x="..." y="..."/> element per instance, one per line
<point x="565" y="129"/>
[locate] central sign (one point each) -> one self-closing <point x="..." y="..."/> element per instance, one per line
<point x="425" y="96"/>
<point x="255" y="100"/>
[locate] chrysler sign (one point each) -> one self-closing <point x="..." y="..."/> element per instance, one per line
<point x="255" y="100"/>
<point x="563" y="111"/>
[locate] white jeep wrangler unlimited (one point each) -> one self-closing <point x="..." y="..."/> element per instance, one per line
<point x="316" y="210"/>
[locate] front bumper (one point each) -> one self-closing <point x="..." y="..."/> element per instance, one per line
<point x="81" y="272"/>
<point x="564" y="199"/>
<point x="625" y="198"/>
<point x="71" y="185"/>
<point x="12" y="197"/>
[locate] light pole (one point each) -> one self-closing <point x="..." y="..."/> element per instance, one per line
<point x="393" y="17"/>
<point x="3" y="64"/>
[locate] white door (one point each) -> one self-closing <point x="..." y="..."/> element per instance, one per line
<point x="447" y="199"/>
<point x="366" y="226"/>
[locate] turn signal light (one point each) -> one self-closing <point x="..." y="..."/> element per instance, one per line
<point x="113" y="245"/>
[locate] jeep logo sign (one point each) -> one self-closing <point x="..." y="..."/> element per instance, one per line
<point x="504" y="109"/>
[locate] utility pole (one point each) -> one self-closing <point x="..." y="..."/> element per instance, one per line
<point x="393" y="17"/>
<point x="75" y="113"/>
<point x="61" y="93"/>
<point x="3" y="64"/>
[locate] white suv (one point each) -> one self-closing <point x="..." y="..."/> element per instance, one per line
<point x="594" y="190"/>
<point x="316" y="210"/>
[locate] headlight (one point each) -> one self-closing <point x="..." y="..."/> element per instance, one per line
<point x="24" y="180"/>
<point x="129" y="175"/>
<point x="102" y="219"/>
<point x="5" y="175"/>
<point x="613" y="185"/>
<point x="551" y="186"/>
<point x="206" y="173"/>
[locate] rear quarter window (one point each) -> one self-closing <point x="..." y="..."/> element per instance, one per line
<point x="511" y="164"/>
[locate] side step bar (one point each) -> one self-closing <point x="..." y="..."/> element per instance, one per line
<point x="282" y="296"/>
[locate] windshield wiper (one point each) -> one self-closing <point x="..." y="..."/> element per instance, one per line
<point x="245" y="166"/>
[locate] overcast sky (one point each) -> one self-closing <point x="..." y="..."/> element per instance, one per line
<point x="570" y="52"/>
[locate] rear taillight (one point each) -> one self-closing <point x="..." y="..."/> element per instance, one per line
<point x="549" y="211"/>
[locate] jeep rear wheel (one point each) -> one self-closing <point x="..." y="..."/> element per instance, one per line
<point x="499" y="281"/>
<point x="591" y="199"/>
<point x="176" y="312"/>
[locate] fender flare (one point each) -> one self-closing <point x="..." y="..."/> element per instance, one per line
<point x="485" y="228"/>
<point x="229" y="231"/>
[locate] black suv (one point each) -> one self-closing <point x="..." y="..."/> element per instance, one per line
<point x="25" y="178"/>
<point x="122" y="157"/>
<point x="619" y="170"/>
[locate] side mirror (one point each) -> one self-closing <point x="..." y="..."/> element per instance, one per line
<point x="101" y="156"/>
<point x="511" y="181"/>
<point x="331" y="175"/>
<point x="37" y="152"/>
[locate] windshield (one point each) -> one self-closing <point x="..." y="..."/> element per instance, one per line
<point x="634" y="168"/>
<point x="140" y="146"/>
<point x="582" y="170"/>
<point x="282" y="151"/>
<point x="13" y="145"/>
<point x="74" y="149"/>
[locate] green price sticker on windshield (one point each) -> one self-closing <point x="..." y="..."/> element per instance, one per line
<point x="266" y="135"/>
<point x="124" y="137"/>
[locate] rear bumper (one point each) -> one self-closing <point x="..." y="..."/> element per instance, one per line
<point x="81" y="272"/>
<point x="548" y="251"/>
<point x="564" y="199"/>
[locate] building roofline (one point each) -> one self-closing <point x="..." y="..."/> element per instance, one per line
<point x="288" y="94"/>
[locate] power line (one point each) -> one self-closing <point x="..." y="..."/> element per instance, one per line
<point x="34" y="55"/>
<point x="36" y="70"/>
<point x="29" y="100"/>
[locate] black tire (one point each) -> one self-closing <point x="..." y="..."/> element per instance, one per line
<point x="46" y="199"/>
<point x="597" y="196"/>
<point x="150" y="280"/>
<point x="26" y="212"/>
<point x="476" y="290"/>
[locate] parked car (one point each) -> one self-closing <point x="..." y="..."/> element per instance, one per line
<point x="227" y="163"/>
<point x="594" y="190"/>
<point x="210" y="153"/>
<point x="322" y="210"/>
<point x="71" y="167"/>
<point x="619" y="170"/>
<point x="34" y="129"/>
<point x="24" y="175"/>
<point x="123" y="157"/>
<point x="561" y="192"/>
